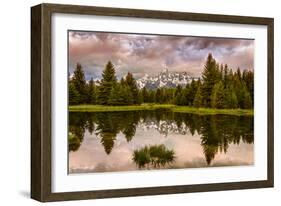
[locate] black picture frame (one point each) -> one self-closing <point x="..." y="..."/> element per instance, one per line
<point x="41" y="116"/>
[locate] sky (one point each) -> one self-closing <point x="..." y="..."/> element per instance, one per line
<point x="149" y="54"/>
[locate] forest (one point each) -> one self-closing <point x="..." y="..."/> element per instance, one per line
<point x="218" y="87"/>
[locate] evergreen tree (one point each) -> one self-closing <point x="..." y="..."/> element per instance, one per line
<point x="145" y="95"/>
<point x="239" y="87"/>
<point x="183" y="97"/>
<point x="107" y="82"/>
<point x="151" y="96"/>
<point x="178" y="96"/>
<point x="198" y="99"/>
<point x="120" y="95"/>
<point x="131" y="82"/>
<point x="122" y="82"/>
<point x="79" y="83"/>
<point x="230" y="98"/>
<point x="210" y="76"/>
<point x="230" y="76"/>
<point x="178" y="90"/>
<point x="225" y="75"/>
<point x="192" y="91"/>
<point x="140" y="98"/>
<point x="248" y="78"/>
<point x="73" y="95"/>
<point x="217" y="97"/>
<point x="239" y="74"/>
<point x="91" y="92"/>
<point x="158" y="96"/>
<point x="221" y="72"/>
<point x="246" y="99"/>
<point x="187" y="92"/>
<point x="164" y="95"/>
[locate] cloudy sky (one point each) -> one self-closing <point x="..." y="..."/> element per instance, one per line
<point x="150" y="54"/>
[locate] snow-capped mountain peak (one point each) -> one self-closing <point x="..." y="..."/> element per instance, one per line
<point x="164" y="79"/>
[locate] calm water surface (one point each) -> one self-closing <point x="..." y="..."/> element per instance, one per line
<point x="138" y="140"/>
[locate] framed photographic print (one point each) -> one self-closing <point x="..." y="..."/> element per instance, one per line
<point x="132" y="102"/>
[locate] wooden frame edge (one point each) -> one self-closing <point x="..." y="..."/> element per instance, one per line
<point x="36" y="58"/>
<point x="41" y="101"/>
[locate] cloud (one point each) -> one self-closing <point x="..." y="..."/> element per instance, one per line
<point x="151" y="53"/>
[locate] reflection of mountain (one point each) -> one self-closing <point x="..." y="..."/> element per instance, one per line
<point x="164" y="127"/>
<point x="164" y="79"/>
<point x="216" y="131"/>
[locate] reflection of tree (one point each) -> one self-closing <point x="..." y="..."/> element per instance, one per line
<point x="74" y="142"/>
<point x="90" y="124"/>
<point x="105" y="124"/>
<point x="76" y="131"/>
<point x="107" y="140"/>
<point x="129" y="132"/>
<point x="130" y="121"/>
<point x="109" y="124"/>
<point x="216" y="131"/>
<point x="107" y="130"/>
<point x="155" y="155"/>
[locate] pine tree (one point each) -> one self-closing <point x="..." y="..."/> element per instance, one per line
<point x="73" y="95"/>
<point x="140" y="98"/>
<point x="183" y="97"/>
<point x="221" y="73"/>
<point x="178" y="90"/>
<point x="131" y="82"/>
<point x="246" y="102"/>
<point x="239" y="74"/>
<point x="210" y="76"/>
<point x="151" y="96"/>
<point x="91" y="92"/>
<point x="79" y="83"/>
<point x="230" y="76"/>
<point x="239" y="87"/>
<point x="198" y="98"/>
<point x="217" y="97"/>
<point x="225" y="75"/>
<point x="122" y="82"/>
<point x="107" y="82"/>
<point x="120" y="95"/>
<point x="178" y="95"/>
<point x="145" y="95"/>
<point x="248" y="78"/>
<point x="231" y="101"/>
<point x="158" y="96"/>
<point x="164" y="95"/>
<point x="192" y="91"/>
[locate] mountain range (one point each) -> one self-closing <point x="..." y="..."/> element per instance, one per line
<point x="164" y="79"/>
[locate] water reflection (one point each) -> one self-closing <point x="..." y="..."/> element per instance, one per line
<point x="216" y="132"/>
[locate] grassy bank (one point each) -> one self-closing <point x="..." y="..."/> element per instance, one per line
<point x="174" y="108"/>
<point x="101" y="108"/>
<point x="210" y="111"/>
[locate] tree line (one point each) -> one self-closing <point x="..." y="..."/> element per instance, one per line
<point x="219" y="87"/>
<point x="108" y="92"/>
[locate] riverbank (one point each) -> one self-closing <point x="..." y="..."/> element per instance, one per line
<point x="174" y="108"/>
